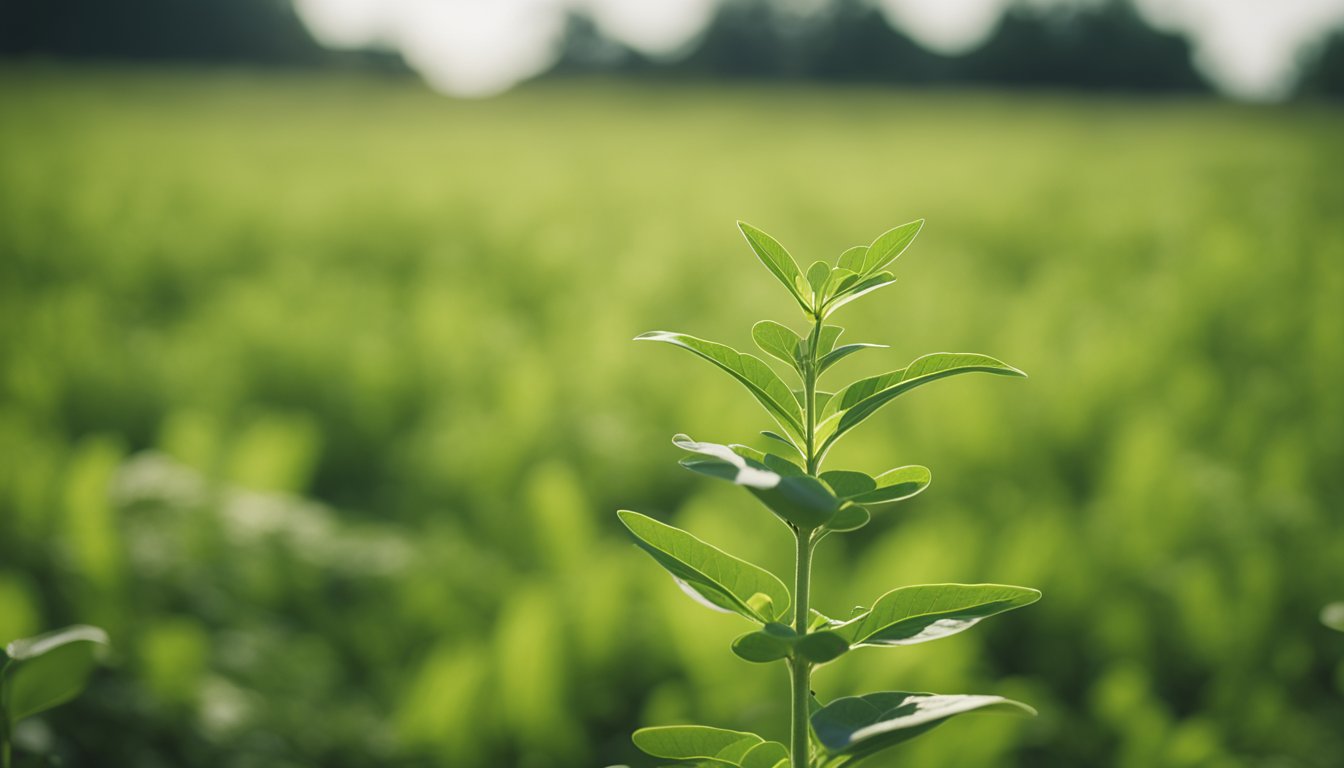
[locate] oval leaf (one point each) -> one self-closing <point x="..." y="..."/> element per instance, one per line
<point x="719" y="578"/>
<point x="778" y="341"/>
<point x="850" y="517"/>
<point x="821" y="647"/>
<point x="50" y="669"/>
<point x="777" y="260"/>
<point x="817" y="276"/>
<point x="848" y="484"/>
<point x="926" y="612"/>
<point x="896" y="485"/>
<point x="859" y="726"/>
<point x="696" y="742"/>
<point x="770" y="754"/>
<point x="798" y="499"/>
<point x="754" y="374"/>
<point x="852" y="259"/>
<point x="772" y="643"/>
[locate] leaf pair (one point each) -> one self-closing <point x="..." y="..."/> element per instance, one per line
<point x="778" y="641"/>
<point x="823" y="288"/>
<point x="854" y="728"/>
<point x="780" y="342"/>
<point x="708" y="746"/>
<point x="48" y="670"/>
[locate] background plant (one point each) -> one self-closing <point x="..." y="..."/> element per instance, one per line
<point x="814" y="504"/>
<point x="251" y="341"/>
<point x="38" y="673"/>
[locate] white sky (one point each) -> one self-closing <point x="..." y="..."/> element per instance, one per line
<point x="481" y="47"/>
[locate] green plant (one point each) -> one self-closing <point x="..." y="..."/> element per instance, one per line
<point x="1332" y="616"/>
<point x="789" y="481"/>
<point x="38" y="673"/>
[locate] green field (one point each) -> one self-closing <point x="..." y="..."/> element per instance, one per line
<point x="317" y="392"/>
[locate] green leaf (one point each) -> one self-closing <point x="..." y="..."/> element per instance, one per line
<point x="740" y="469"/>
<point x="777" y="260"/>
<point x="762" y="646"/>
<point x="896" y="485"/>
<point x="862" y="287"/>
<point x="840" y="280"/>
<point x="781" y="438"/>
<point x="848" y="484"/>
<point x="696" y="742"/>
<point x="770" y="754"/>
<point x="859" y="400"/>
<point x="826" y="341"/>
<point x="758" y="377"/>
<point x="777" y="341"/>
<point x="821" y="647"/>
<point x="51" y="669"/>
<point x="817" y="276"/>
<point x="856" y="727"/>
<point x="850" y="517"/>
<point x="852" y="259"/>
<point x="1332" y="616"/>
<point x="889" y="245"/>
<point x="707" y="573"/>
<point x="778" y="641"/>
<point x="798" y="499"/>
<point x="836" y="355"/>
<point x="926" y="612"/>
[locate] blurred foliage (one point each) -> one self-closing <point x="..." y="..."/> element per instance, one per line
<point x="318" y="394"/>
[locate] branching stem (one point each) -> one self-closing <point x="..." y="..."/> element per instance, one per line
<point x="800" y="669"/>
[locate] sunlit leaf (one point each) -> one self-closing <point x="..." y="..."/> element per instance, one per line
<point x="786" y="441"/>
<point x="926" y="612"/>
<point x="847" y="484"/>
<point x="836" y="355"/>
<point x="827" y="338"/>
<point x="777" y="260"/>
<point x="1332" y="616"/>
<point x="817" y="276"/>
<point x="862" y="287"/>
<point x="856" y="727"/>
<point x="796" y="498"/>
<point x="770" y="754"/>
<point x="852" y="259"/>
<point x="896" y="485"/>
<point x="821" y="647"/>
<point x="721" y="580"/>
<point x="771" y="643"/>
<point x="889" y="246"/>
<point x="859" y="400"/>
<point x="50" y="669"/>
<point x="696" y="742"/>
<point x="758" y="377"/>
<point x="777" y="341"/>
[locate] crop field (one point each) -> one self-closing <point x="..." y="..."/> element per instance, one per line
<point x="317" y="392"/>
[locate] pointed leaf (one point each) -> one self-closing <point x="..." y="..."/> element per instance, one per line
<point x="784" y="440"/>
<point x="770" y="754"/>
<point x="50" y="669"/>
<point x="723" y="581"/>
<point x="896" y="485"/>
<point x="777" y="260"/>
<point x="859" y="400"/>
<point x="696" y="742"/>
<point x="889" y="245"/>
<point x="861" y="288"/>
<point x="836" y="355"/>
<point x="760" y="379"/>
<point x="859" y="726"/>
<point x="926" y="612"/>
<point x="778" y="341"/>
<point x="840" y="280"/>
<point x="745" y="470"/>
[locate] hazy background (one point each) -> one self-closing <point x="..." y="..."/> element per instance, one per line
<point x="316" y="387"/>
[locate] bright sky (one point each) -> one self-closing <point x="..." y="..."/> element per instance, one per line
<point x="481" y="47"/>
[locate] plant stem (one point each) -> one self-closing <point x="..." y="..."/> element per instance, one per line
<point x="5" y="757"/>
<point x="800" y="670"/>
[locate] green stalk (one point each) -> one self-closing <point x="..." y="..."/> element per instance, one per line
<point x="800" y="670"/>
<point x="5" y="756"/>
